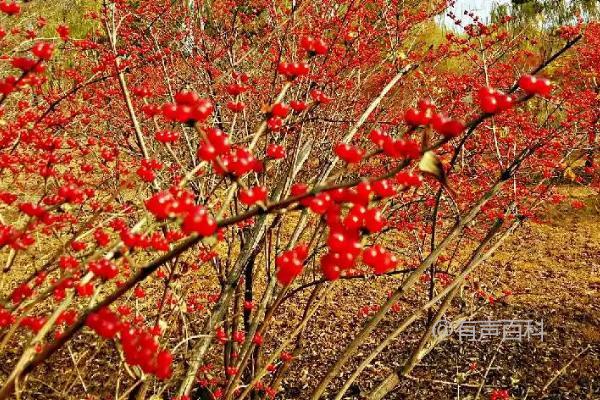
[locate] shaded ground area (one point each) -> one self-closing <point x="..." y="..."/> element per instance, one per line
<point x="553" y="269"/>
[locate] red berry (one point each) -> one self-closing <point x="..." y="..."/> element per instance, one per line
<point x="253" y="195"/>
<point x="298" y="106"/>
<point x="290" y="264"/>
<point x="275" y="151"/>
<point x="379" y="138"/>
<point x="543" y="87"/>
<point x="451" y="128"/>
<point x="528" y="84"/>
<point x="11" y="8"/>
<point x="505" y="102"/>
<point x="488" y="104"/>
<point x="280" y="110"/>
<point x="331" y="271"/>
<point x="349" y="153"/>
<point x="275" y="123"/>
<point x="207" y="151"/>
<point x="413" y="117"/>
<point x="219" y="140"/>
<point x="487" y="100"/>
<point x="43" y="50"/>
<point x="167" y="136"/>
<point x="374" y="221"/>
<point x="379" y="259"/>
<point x="199" y="221"/>
<point x="425" y="104"/>
<point x="320" y="203"/>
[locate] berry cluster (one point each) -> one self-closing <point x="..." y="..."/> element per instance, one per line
<point x="253" y="195"/>
<point x="275" y="151"/>
<point x="344" y="242"/>
<point x="33" y="323"/>
<point x="147" y="171"/>
<point x="345" y="231"/>
<point x="278" y="113"/>
<point x="156" y="241"/>
<point x="142" y="349"/>
<point x="43" y="50"/>
<point x="167" y="136"/>
<point x="313" y="45"/>
<point x="395" y="148"/>
<point x="290" y="263"/>
<point x="11" y="8"/>
<point x="379" y="259"/>
<point x="139" y="345"/>
<point x="500" y="394"/>
<point x="216" y="144"/>
<point x="293" y="70"/>
<point x="198" y="220"/>
<point x="425" y="114"/>
<point x="348" y="153"/>
<point x="71" y="193"/>
<point x="180" y="203"/>
<point x="142" y="92"/>
<point x="493" y="101"/>
<point x="535" y="86"/>
<point x="238" y="162"/>
<point x="6" y="318"/>
<point x="170" y="203"/>
<point x="104" y="268"/>
<point x="20" y="293"/>
<point x="188" y="108"/>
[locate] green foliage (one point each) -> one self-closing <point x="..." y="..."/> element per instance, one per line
<point x="547" y="14"/>
<point x="67" y="12"/>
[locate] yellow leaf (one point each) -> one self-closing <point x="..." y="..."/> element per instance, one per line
<point x="431" y="164"/>
<point x="569" y="174"/>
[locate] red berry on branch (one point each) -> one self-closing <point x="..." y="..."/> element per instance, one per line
<point x="199" y="221"/>
<point x="505" y="102"/>
<point x="451" y="128"/>
<point x="275" y="151"/>
<point x="487" y="100"/>
<point x="320" y="203"/>
<point x="348" y="153"/>
<point x="167" y="136"/>
<point x="219" y="140"/>
<point x="236" y="107"/>
<point x="253" y="195"/>
<point x="11" y="8"/>
<point x="528" y="84"/>
<point x="413" y="117"/>
<point x="374" y="220"/>
<point x="543" y="87"/>
<point x="275" y="124"/>
<point x="298" y="106"/>
<point x="384" y="188"/>
<point x="280" y="110"/>
<point x="379" y="259"/>
<point x="379" y="138"/>
<point x="289" y="265"/>
<point x="43" y="50"/>
<point x="329" y="267"/>
<point x="207" y="152"/>
<point x="63" y="31"/>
